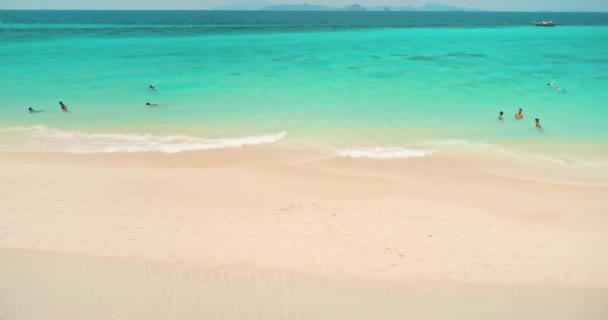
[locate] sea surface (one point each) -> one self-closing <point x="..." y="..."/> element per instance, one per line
<point x="371" y="84"/>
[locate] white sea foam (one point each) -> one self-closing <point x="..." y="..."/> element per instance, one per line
<point x="41" y="138"/>
<point x="460" y="144"/>
<point x="513" y="154"/>
<point x="382" y="153"/>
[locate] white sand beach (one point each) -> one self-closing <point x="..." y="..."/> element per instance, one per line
<point x="276" y="233"/>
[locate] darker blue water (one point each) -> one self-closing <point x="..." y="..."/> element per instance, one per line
<point x="175" y="23"/>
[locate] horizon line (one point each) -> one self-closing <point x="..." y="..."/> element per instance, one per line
<point x="338" y="9"/>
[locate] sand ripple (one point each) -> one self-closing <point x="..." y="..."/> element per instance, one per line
<point x="39" y="285"/>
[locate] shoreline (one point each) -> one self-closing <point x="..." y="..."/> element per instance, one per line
<point x="508" y="164"/>
<point x="40" y="139"/>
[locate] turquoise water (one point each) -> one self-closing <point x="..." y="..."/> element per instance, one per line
<point x="405" y="80"/>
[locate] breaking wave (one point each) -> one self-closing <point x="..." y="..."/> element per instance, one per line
<point x="382" y="153"/>
<point x="42" y="138"/>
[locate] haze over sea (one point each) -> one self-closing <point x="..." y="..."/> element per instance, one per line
<point x="380" y="84"/>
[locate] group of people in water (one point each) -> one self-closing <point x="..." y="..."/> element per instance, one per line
<point x="554" y="84"/>
<point x="520" y="115"/>
<point x="64" y="108"/>
<point x="150" y="104"/>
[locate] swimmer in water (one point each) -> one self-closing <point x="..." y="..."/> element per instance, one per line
<point x="63" y="107"/>
<point x="151" y="87"/>
<point x="31" y="110"/>
<point x="551" y="84"/>
<point x="537" y="123"/>
<point x="519" y="114"/>
<point x="155" y="104"/>
<point x="500" y="115"/>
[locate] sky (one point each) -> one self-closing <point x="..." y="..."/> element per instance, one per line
<point x="500" y="5"/>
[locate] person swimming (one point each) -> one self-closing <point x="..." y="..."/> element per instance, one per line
<point x="500" y="115"/>
<point x="63" y="107"/>
<point x="537" y="123"/>
<point x="519" y="114"/>
<point x="155" y="104"/>
<point x="31" y="110"/>
<point x="151" y="87"/>
<point x="551" y="84"/>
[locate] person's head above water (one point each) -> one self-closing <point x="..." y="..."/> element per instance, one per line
<point x="520" y="110"/>
<point x="30" y="109"/>
<point x="536" y="120"/>
<point x="500" y="114"/>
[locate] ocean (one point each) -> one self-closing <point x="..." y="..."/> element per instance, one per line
<point x="371" y="84"/>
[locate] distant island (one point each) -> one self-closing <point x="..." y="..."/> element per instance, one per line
<point x="430" y="6"/>
<point x="356" y="7"/>
<point x="309" y="7"/>
<point x="298" y="7"/>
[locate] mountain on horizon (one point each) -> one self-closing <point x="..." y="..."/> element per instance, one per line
<point x="298" y="7"/>
<point x="310" y="7"/>
<point x="430" y="6"/>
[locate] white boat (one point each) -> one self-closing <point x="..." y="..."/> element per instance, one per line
<point x="544" y="23"/>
